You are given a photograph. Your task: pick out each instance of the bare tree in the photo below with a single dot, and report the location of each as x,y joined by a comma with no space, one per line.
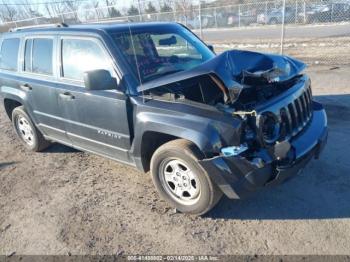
111,9
55,8
96,6
8,13
185,7
28,10
73,6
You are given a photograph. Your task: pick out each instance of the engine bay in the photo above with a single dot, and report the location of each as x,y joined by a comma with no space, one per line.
208,90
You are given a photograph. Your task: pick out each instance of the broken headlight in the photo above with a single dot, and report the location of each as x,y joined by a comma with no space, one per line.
269,127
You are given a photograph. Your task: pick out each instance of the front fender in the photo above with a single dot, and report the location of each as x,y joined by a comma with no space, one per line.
209,130
204,136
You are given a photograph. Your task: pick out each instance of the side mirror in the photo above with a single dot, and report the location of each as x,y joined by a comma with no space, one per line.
99,79
211,47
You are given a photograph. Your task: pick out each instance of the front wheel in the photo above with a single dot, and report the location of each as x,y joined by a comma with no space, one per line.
180,180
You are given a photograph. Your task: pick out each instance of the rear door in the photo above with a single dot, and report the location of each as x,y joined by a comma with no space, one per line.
39,80
27,70
95,121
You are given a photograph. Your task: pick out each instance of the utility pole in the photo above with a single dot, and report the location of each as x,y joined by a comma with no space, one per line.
139,5
200,20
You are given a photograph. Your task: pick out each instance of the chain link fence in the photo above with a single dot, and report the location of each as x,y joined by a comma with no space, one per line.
317,32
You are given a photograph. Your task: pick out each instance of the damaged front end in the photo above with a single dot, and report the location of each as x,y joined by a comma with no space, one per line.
282,133
283,128
240,174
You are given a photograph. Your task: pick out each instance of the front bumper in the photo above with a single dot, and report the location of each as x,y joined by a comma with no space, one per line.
237,177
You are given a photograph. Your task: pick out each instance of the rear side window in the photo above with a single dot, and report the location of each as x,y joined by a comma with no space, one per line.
38,56
81,55
9,54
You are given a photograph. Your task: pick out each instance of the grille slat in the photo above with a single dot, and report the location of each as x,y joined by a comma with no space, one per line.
294,116
307,101
304,108
287,122
298,113
309,95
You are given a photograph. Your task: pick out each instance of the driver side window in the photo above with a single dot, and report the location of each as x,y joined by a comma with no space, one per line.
81,55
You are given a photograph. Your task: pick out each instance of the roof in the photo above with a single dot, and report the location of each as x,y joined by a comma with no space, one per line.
93,27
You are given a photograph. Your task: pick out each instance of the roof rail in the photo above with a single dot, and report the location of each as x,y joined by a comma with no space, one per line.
110,21
37,26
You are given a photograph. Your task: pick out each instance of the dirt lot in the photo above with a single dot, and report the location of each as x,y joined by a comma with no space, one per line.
65,201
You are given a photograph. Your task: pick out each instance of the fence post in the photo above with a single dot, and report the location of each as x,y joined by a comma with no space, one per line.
174,11
139,7
296,11
200,20
304,12
216,19
283,26
239,15
332,13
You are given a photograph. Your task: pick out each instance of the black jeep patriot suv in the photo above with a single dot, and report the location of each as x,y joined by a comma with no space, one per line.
154,96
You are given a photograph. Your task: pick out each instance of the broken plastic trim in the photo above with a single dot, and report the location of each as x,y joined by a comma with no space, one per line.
234,150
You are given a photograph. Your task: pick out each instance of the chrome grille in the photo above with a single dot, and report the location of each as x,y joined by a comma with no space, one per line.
297,114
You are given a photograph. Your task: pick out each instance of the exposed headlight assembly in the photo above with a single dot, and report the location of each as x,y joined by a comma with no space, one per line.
269,127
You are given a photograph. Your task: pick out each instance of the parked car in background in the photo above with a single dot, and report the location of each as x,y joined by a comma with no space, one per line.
195,23
242,19
323,13
275,16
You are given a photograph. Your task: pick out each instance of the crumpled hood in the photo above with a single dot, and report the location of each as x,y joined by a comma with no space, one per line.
237,69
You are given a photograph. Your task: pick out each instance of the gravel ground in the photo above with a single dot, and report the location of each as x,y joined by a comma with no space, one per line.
63,201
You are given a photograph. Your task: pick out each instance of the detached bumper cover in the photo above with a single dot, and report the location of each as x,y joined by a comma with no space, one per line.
237,177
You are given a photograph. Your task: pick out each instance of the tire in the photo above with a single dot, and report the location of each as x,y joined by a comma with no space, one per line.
30,136
198,193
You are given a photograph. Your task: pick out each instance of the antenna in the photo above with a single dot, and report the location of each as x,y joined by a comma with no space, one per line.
137,63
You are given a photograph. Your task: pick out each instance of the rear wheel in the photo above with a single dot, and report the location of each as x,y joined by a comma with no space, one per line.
27,132
180,180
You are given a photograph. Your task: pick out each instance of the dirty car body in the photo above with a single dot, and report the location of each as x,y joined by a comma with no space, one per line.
250,115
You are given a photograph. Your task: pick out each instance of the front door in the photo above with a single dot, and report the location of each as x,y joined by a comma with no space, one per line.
95,121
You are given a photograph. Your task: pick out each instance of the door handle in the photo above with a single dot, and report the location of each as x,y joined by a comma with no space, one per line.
66,95
26,87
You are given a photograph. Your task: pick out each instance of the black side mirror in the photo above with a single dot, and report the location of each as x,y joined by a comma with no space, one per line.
99,79
211,47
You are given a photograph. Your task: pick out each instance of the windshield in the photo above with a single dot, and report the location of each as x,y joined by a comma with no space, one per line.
154,53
